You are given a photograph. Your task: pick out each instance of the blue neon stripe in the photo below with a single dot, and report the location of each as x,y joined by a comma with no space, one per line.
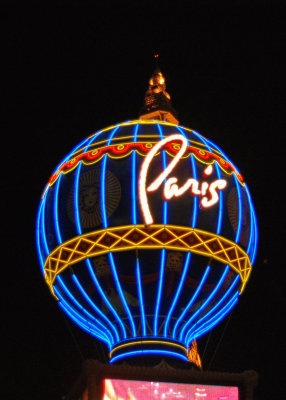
122,297
88,263
162,265
195,295
254,229
220,312
178,292
134,221
238,232
102,190
133,189
110,256
251,222
83,326
73,299
56,211
140,295
105,299
195,203
210,297
76,186
220,301
219,222
91,303
76,205
188,258
133,179
38,234
102,183
220,204
199,136
199,333
153,352
223,154
163,252
84,322
239,222
79,319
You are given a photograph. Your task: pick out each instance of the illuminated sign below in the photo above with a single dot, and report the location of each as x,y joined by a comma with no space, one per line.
141,390
171,188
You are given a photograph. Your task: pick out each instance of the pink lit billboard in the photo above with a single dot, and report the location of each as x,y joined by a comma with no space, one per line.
117,389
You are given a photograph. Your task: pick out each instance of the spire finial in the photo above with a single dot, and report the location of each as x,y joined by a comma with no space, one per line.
157,100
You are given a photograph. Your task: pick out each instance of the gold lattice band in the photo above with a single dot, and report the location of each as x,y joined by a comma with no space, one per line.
131,237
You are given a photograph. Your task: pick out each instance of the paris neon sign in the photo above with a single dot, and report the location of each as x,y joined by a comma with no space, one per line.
208,192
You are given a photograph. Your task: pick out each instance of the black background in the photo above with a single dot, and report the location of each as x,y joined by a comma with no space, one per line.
73,70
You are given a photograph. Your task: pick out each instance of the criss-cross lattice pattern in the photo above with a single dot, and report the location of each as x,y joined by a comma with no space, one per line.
130,237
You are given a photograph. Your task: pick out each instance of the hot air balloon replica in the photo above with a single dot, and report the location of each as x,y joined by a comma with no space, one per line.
146,233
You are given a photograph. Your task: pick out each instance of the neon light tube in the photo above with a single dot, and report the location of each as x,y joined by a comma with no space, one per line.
210,297
140,296
56,215
91,303
195,295
78,319
83,326
163,252
199,333
110,256
73,299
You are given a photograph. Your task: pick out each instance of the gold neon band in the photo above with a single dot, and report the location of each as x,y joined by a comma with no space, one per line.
131,237
138,342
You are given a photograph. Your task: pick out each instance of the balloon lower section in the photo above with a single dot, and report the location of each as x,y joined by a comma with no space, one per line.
150,346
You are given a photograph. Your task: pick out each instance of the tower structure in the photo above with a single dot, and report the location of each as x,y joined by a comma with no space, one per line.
157,102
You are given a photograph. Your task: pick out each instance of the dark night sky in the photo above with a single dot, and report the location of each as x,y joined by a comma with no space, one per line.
74,70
